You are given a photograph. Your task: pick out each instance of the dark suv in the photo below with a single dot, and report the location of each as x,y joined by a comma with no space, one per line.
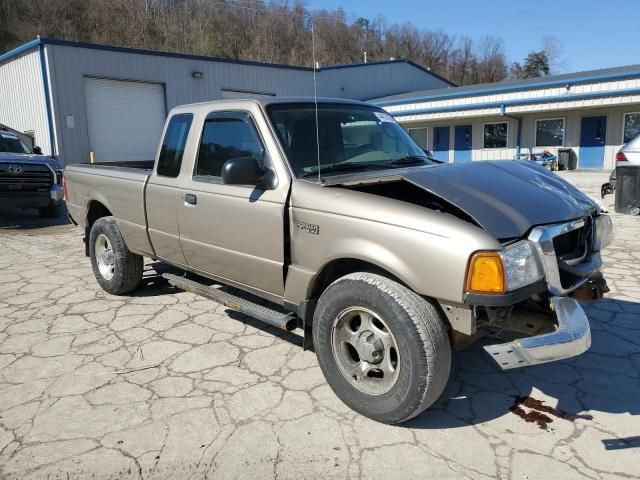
27,178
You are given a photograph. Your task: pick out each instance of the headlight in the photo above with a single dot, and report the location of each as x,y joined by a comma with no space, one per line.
498,272
521,265
604,232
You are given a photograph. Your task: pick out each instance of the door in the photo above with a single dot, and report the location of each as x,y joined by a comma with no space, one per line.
232,232
593,132
441,143
462,144
161,194
124,119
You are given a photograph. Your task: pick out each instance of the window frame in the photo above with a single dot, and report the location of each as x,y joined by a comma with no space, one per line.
535,132
229,113
624,121
186,142
484,147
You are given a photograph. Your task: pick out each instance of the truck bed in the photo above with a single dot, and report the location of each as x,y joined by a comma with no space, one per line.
116,187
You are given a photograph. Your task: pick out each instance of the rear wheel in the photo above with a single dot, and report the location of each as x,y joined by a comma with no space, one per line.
117,270
383,349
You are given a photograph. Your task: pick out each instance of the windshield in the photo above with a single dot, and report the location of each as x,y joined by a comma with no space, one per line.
352,137
12,144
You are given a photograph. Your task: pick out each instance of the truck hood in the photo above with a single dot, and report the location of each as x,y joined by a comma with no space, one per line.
506,198
6,157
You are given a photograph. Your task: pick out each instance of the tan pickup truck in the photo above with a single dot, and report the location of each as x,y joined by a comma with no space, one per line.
331,219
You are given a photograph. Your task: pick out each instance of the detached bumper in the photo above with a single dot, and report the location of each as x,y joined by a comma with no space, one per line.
572,338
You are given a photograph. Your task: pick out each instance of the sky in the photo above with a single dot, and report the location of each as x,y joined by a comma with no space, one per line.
594,33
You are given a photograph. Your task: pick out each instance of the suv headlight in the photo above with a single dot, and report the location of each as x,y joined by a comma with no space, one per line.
516,266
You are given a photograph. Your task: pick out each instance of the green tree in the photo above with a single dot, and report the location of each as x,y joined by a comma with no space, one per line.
535,65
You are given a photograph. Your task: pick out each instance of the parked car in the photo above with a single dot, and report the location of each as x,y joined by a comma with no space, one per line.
629,154
385,259
27,178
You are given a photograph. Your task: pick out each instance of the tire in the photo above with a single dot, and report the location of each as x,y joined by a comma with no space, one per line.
422,359
120,271
52,211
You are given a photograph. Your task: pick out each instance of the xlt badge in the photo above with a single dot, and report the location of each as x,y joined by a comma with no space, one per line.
309,228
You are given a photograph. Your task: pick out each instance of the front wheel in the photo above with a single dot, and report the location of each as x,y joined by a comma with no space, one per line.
117,270
383,349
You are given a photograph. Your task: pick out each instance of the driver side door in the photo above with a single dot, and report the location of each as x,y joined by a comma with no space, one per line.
232,232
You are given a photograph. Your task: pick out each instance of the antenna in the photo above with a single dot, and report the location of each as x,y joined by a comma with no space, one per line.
315,95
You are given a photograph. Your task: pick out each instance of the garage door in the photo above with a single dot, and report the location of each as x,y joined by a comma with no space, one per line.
124,119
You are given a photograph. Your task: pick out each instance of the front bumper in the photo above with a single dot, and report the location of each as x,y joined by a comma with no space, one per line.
572,338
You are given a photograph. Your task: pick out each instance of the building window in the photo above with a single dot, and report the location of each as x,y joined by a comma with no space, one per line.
550,132
495,135
420,136
631,126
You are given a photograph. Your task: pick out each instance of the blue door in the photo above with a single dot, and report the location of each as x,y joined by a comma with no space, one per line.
441,143
592,136
462,144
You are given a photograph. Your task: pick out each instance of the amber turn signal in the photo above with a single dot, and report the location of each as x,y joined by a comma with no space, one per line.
486,273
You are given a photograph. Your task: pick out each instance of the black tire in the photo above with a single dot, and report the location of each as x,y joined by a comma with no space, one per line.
52,211
127,266
420,334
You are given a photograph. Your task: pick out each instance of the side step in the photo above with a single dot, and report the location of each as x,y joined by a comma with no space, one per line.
285,321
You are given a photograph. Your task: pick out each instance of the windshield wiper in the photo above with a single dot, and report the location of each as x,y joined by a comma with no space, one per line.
339,167
410,160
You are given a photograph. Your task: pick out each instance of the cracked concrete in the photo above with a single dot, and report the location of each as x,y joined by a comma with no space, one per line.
162,384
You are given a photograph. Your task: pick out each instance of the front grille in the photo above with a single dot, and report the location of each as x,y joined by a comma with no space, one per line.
573,245
567,253
25,180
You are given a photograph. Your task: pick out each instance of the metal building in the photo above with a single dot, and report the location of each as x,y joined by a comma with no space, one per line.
591,113
77,98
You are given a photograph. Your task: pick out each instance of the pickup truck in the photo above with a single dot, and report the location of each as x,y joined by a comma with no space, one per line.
27,178
328,217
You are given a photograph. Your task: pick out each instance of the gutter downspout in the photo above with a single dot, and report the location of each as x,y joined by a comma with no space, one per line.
47,95
519,134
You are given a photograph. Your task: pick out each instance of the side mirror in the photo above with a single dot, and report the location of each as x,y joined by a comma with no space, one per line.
242,171
37,150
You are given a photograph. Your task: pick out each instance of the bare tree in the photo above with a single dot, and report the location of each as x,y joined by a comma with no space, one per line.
254,30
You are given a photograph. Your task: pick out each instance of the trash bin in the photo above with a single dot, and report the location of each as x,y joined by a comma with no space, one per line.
564,158
628,189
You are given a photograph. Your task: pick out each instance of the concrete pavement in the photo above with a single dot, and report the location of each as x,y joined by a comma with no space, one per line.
163,384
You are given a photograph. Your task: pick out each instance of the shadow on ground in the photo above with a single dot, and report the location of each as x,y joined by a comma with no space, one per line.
604,379
28,219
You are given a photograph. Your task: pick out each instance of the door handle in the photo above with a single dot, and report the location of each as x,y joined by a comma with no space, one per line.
190,198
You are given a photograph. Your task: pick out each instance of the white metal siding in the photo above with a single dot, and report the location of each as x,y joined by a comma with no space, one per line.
22,100
124,119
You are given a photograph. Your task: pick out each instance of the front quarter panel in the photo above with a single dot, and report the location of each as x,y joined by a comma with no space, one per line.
426,249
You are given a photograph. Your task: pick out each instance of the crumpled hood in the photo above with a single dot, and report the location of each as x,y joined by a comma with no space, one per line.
507,197
6,157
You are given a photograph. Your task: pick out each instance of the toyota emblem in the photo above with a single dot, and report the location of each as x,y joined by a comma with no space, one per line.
15,169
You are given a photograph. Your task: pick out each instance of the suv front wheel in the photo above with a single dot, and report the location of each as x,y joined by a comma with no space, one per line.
383,349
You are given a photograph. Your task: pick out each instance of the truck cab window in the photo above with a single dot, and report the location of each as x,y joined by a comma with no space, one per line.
173,145
226,136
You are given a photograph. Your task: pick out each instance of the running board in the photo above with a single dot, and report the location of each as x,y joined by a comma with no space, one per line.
285,321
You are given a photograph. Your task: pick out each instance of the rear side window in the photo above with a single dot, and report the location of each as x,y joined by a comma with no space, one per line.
173,145
225,136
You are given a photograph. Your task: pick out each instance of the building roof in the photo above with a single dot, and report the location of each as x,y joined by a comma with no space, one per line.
566,79
52,41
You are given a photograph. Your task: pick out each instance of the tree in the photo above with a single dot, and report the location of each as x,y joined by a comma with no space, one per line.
535,65
256,30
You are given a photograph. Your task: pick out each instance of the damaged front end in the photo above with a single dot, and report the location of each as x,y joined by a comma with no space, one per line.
550,314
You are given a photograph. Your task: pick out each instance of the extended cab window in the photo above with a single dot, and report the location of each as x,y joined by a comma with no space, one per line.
225,136
173,145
